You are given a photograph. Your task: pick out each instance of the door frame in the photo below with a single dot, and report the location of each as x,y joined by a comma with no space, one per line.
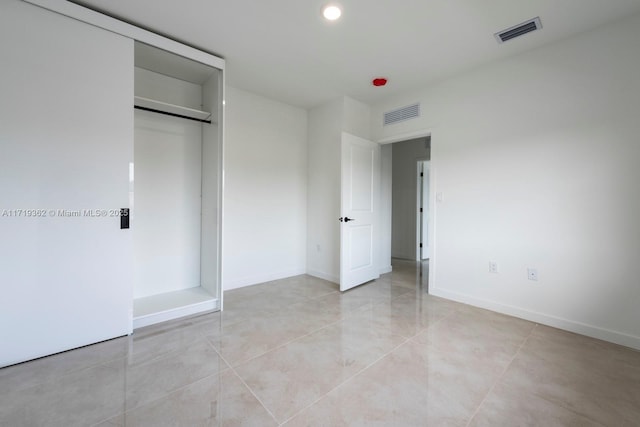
420,204
433,215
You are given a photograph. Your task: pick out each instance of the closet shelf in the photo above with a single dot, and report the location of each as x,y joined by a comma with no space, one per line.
171,109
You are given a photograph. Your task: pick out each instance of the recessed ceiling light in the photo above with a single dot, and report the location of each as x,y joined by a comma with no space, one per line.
331,12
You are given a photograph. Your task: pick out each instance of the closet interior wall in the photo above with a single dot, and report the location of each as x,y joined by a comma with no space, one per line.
175,199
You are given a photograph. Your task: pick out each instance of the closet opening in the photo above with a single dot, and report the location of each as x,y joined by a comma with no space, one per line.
175,186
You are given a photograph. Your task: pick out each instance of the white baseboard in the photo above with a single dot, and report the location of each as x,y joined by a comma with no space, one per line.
409,257
241,282
542,318
175,313
325,276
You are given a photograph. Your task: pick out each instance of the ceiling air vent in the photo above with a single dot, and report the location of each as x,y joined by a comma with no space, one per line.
402,114
519,30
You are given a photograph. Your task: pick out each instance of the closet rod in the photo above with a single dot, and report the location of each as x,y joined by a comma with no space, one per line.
153,110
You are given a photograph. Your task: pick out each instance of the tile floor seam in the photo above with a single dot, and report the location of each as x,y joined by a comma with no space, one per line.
172,391
502,374
56,378
345,381
243,362
160,398
107,419
213,347
559,402
160,356
272,313
198,336
431,326
249,388
562,405
322,296
104,421
72,371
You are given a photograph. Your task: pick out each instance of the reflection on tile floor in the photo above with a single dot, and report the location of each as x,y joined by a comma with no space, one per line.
297,352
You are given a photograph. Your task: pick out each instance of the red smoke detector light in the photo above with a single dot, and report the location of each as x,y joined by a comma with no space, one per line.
379,81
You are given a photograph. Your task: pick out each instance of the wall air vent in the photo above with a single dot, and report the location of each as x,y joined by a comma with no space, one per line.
519,30
402,114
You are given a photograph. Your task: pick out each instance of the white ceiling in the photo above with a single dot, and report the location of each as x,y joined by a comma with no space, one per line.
284,50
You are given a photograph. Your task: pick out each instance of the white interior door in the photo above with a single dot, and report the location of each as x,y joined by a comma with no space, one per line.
360,211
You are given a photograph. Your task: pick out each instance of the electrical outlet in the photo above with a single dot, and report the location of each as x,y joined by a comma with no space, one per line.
493,267
532,274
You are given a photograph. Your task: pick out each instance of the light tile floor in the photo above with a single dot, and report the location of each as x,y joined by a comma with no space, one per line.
297,352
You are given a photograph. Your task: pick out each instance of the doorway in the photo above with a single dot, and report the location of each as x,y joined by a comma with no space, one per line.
409,196
404,193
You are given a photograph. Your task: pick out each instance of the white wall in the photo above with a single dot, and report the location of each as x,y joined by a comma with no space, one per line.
167,207
386,178
536,159
323,228
265,204
356,118
168,173
404,230
326,124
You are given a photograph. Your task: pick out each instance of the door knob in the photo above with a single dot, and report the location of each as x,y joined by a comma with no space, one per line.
347,219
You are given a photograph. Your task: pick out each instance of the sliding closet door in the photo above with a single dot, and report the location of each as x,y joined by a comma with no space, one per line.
66,139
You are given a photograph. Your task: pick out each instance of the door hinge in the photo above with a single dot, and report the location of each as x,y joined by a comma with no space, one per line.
421,245
420,210
421,173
